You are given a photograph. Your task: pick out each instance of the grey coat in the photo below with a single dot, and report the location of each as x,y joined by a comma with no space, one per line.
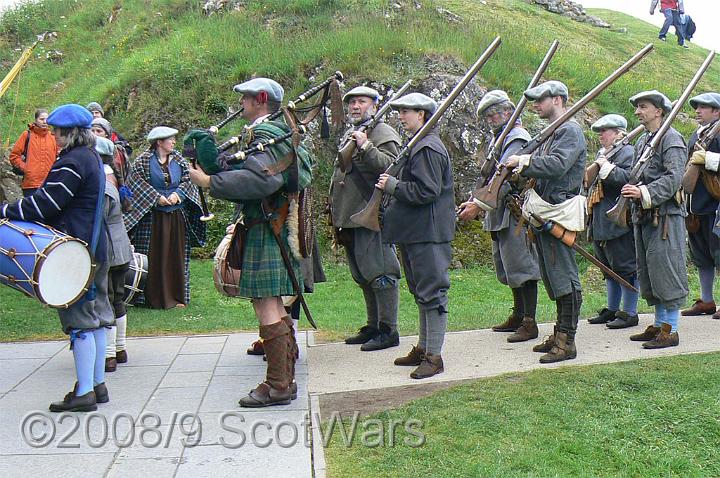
663,174
558,166
499,219
350,191
119,251
422,202
601,227
661,260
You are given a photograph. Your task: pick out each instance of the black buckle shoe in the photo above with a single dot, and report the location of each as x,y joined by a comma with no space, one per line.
73,403
364,334
623,320
604,316
385,339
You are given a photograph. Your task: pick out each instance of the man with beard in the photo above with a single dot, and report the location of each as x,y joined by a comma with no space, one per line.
373,265
515,257
557,167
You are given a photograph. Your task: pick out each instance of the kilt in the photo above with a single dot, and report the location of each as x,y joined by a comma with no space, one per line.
264,273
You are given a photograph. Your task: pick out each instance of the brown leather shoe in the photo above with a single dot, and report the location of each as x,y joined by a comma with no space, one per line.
716,315
665,338
564,349
650,333
547,345
700,308
256,348
511,324
264,396
121,356
413,358
527,331
431,365
110,364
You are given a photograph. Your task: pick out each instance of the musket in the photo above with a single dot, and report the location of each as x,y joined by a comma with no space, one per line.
493,156
215,128
568,238
337,76
618,214
692,172
488,195
369,216
345,153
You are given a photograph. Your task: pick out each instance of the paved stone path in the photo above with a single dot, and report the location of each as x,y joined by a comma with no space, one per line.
201,376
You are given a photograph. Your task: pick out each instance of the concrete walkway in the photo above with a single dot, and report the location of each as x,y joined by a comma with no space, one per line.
172,384
473,354
201,377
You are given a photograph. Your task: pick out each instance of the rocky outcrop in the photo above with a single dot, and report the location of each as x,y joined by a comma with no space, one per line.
9,182
571,10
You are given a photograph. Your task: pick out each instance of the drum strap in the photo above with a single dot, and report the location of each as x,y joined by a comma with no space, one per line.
97,222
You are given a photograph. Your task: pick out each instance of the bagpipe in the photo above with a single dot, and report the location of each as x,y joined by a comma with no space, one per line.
200,145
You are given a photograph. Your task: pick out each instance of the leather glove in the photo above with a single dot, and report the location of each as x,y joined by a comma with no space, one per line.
698,157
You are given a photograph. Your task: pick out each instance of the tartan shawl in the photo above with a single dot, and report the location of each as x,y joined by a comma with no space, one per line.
145,197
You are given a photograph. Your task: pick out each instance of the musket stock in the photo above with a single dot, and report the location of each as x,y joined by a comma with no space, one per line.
369,217
346,153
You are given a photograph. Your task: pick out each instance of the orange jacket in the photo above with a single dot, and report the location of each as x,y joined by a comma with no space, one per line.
41,154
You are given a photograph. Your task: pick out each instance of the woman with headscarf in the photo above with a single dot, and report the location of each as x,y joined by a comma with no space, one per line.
165,219
69,200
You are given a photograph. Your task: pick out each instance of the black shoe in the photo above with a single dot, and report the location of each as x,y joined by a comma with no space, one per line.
604,316
364,334
385,339
101,393
662,38
623,320
73,403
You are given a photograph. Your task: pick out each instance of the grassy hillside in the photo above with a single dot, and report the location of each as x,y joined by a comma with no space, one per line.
164,61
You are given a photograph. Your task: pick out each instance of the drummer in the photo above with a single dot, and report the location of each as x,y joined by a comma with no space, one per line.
68,201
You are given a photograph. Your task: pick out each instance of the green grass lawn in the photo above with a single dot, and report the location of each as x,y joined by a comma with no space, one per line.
646,418
477,301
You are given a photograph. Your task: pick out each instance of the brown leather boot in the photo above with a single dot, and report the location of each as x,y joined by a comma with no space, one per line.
666,338
121,356
431,365
650,333
547,345
256,348
511,324
564,349
110,364
413,358
276,388
700,308
294,353
528,330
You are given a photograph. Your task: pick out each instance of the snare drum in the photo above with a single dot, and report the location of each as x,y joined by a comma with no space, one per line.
44,263
135,277
227,279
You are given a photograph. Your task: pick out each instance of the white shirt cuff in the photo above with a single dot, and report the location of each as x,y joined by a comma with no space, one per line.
712,161
645,198
605,170
524,162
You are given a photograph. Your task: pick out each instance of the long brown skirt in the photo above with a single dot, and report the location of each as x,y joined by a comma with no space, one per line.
165,287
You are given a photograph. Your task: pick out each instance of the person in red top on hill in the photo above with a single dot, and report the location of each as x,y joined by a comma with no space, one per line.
33,156
672,9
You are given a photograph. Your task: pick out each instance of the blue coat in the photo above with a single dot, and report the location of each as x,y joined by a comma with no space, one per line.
68,199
